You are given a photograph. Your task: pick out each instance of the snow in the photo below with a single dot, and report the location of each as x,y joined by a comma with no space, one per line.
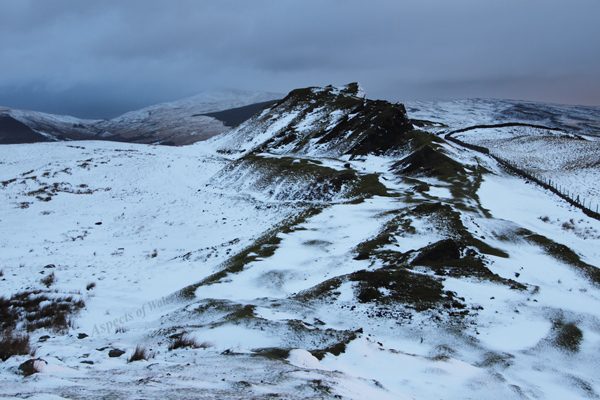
573,165
303,359
170,218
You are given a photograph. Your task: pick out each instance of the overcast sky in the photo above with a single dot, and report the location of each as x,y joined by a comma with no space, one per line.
98,59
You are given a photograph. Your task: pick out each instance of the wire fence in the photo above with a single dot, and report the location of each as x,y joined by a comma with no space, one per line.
572,198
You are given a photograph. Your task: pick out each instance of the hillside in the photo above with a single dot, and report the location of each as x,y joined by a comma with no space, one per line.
325,248
460,114
180,122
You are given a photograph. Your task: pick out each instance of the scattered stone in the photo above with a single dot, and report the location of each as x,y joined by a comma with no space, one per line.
87,362
43,338
115,353
32,366
82,336
50,266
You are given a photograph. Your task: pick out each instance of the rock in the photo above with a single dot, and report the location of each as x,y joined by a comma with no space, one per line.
50,266
32,366
115,353
82,336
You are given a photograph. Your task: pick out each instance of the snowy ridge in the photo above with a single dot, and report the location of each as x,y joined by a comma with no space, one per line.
319,122
259,269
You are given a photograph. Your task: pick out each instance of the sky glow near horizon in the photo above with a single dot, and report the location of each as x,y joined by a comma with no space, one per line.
101,59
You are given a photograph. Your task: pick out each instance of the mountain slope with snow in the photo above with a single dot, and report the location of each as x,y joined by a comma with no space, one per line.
266,263
178,122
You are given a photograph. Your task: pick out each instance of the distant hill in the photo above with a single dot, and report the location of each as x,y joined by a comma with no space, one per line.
180,122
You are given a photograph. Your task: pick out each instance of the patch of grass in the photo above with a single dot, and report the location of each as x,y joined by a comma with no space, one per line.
388,286
322,291
33,310
336,348
140,354
315,182
320,387
368,186
385,286
48,280
569,225
452,258
448,221
316,243
185,340
386,236
456,256
12,344
245,312
568,336
493,358
8,182
90,286
430,162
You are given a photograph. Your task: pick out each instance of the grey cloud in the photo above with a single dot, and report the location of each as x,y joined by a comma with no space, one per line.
398,50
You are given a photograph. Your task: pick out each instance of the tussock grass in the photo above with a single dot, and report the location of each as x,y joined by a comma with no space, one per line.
12,344
185,340
568,337
33,310
140,353
48,280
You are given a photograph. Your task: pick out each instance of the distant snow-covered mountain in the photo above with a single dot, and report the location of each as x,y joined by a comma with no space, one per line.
177,123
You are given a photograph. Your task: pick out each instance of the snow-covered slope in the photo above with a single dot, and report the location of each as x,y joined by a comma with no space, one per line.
570,161
182,121
179,122
248,269
458,114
